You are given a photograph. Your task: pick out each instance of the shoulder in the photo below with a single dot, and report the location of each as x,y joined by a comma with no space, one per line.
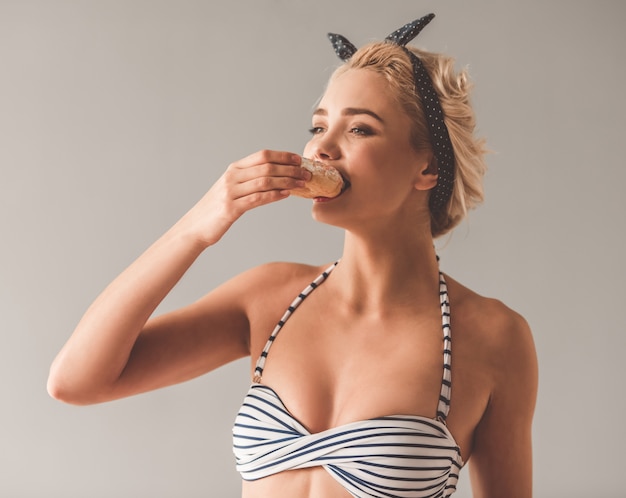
495,333
274,284
280,273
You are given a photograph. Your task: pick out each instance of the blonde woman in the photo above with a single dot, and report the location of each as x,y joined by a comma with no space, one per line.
375,375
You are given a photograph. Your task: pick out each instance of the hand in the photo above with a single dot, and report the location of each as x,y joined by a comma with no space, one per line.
261,178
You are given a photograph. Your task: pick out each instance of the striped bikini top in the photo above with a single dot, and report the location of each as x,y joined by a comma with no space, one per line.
389,456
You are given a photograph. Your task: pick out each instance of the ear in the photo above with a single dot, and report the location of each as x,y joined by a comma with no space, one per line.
427,172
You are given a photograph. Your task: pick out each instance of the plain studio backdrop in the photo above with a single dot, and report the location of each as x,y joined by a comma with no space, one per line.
116,116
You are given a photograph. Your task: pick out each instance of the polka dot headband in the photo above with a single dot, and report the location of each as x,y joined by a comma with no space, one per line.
439,136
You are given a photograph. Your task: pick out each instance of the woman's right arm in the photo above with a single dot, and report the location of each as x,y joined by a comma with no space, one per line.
116,351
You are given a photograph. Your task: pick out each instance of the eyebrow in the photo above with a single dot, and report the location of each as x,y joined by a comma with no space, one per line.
350,111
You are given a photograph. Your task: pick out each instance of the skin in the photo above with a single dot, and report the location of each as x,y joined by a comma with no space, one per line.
381,325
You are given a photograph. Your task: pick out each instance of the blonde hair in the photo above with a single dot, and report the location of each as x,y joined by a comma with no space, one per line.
453,90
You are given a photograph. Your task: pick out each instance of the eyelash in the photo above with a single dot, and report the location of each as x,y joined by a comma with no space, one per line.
361,130
355,130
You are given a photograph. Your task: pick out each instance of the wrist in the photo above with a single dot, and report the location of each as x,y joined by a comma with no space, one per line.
191,233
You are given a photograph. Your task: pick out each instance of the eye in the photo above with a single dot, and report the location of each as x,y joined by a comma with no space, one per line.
316,130
361,130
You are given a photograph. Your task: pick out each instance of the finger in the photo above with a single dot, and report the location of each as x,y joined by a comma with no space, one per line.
257,199
270,170
269,156
262,178
266,184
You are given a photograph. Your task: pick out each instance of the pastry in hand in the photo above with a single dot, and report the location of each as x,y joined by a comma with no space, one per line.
325,181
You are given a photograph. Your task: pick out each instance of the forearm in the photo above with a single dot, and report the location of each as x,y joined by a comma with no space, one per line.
89,366
98,350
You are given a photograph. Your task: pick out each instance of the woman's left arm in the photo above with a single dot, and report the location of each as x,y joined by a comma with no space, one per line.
501,461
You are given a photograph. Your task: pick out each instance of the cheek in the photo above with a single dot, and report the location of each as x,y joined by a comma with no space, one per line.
390,174
308,150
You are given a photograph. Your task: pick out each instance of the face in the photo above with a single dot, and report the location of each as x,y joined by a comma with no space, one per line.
363,132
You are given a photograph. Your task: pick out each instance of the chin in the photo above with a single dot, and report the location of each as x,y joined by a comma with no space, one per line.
326,214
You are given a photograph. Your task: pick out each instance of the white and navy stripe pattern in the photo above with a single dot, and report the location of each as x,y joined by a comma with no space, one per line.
260,364
446,383
385,457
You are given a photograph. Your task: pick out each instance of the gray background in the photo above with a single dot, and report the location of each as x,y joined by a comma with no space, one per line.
116,116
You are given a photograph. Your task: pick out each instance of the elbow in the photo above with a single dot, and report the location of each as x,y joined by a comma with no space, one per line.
61,389
58,390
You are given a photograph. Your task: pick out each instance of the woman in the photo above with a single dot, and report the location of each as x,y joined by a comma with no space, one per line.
354,392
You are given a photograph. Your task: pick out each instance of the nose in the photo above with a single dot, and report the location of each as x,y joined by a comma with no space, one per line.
325,147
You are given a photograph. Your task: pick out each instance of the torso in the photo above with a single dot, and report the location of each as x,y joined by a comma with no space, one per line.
331,367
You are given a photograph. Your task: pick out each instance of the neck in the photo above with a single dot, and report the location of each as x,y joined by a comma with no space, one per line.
381,272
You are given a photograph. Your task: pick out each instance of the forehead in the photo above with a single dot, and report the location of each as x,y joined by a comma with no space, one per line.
361,88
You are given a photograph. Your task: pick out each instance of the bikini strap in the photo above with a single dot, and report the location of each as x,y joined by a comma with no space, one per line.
260,364
446,384
444,397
